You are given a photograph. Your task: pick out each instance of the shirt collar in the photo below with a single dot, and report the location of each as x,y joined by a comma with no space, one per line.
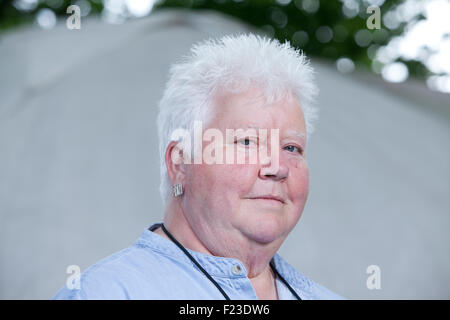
221,266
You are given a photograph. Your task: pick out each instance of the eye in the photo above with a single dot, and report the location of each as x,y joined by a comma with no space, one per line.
245,141
292,148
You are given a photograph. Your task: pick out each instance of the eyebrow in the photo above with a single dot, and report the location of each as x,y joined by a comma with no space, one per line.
290,132
297,134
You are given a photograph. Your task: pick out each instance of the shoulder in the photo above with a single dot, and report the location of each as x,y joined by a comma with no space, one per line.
305,287
109,278
319,292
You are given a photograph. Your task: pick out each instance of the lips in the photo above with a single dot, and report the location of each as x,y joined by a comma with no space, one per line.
269,197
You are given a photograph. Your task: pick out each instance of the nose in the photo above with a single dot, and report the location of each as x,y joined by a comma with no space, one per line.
274,167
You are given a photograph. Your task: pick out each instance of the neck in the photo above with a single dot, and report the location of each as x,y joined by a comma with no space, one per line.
254,256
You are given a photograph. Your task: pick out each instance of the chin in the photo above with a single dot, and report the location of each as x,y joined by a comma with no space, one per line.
265,229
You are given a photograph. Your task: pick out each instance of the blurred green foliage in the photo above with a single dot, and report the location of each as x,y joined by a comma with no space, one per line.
321,28
290,21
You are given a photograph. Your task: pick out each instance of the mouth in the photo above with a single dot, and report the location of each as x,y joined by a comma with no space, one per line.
270,198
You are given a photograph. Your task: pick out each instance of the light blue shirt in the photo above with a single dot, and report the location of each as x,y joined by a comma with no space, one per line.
153,267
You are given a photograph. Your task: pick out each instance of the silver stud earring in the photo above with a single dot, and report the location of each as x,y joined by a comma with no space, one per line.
177,190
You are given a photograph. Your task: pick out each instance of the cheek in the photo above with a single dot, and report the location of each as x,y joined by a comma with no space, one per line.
236,180
222,183
216,190
299,182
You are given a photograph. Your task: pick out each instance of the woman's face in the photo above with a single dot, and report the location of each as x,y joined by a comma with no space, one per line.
259,201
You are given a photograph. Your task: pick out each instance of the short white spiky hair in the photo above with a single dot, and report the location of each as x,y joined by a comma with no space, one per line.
233,63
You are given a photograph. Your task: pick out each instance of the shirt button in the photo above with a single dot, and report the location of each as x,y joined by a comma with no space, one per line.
236,270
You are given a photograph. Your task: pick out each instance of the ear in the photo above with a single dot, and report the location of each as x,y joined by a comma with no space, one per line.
176,168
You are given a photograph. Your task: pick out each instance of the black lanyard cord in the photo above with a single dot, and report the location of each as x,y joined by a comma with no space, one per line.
194,261
272,265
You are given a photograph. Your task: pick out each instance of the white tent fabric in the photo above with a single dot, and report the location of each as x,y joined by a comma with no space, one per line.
79,163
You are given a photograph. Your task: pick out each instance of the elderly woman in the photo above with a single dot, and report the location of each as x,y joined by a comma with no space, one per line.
233,195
